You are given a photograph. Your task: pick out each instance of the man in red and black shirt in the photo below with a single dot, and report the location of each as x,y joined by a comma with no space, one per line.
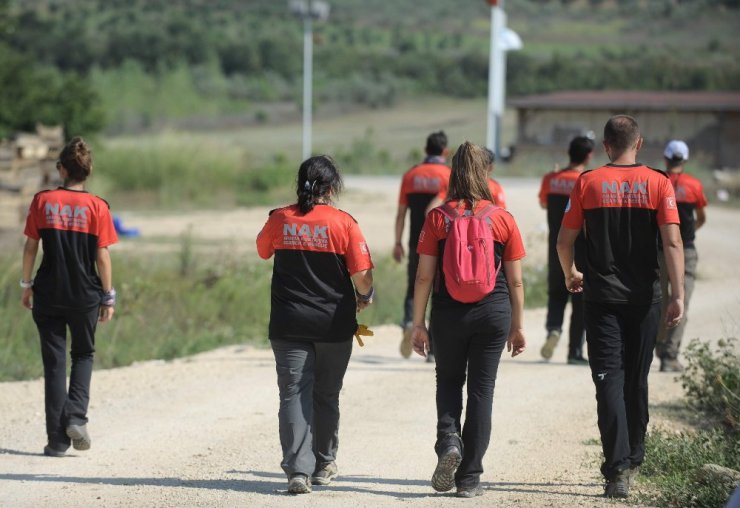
622,207
554,193
419,186
691,203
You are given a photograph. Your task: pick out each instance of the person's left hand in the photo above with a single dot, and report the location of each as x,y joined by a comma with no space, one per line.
27,298
106,313
574,282
516,343
420,340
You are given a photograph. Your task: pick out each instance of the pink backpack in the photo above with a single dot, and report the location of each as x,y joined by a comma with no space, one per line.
469,262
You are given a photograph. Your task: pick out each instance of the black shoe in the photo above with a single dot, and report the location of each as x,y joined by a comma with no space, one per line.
443,478
670,365
469,491
577,360
55,449
79,436
619,486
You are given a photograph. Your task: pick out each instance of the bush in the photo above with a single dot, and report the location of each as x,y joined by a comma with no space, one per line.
712,381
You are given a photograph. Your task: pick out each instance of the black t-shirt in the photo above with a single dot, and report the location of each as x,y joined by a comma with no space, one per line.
72,226
313,298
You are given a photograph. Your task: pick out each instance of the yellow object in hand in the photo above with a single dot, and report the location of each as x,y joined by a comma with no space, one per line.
363,330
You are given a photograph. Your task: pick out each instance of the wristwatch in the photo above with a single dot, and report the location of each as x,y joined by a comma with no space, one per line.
26,284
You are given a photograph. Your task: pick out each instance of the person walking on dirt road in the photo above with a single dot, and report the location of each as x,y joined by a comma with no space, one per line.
554,194
469,338
72,289
322,276
419,186
623,206
691,203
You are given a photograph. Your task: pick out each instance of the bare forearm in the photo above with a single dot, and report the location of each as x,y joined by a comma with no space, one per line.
513,271
105,269
675,266
422,289
363,281
30,249
565,255
400,222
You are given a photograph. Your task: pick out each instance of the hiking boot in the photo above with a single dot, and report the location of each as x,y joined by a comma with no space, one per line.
577,360
632,474
406,346
553,336
619,486
325,474
299,484
443,478
79,436
670,365
55,449
469,491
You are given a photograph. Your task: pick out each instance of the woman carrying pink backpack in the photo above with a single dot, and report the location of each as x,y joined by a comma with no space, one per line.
470,261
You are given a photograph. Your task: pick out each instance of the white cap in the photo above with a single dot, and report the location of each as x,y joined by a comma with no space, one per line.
676,149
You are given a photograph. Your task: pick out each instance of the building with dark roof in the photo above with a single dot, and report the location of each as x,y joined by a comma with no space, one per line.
709,122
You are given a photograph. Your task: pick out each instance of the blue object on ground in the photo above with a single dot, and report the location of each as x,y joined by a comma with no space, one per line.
124,231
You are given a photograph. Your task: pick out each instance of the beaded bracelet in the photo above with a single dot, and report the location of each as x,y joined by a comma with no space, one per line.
109,298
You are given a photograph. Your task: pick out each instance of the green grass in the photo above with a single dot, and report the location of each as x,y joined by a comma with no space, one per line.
673,459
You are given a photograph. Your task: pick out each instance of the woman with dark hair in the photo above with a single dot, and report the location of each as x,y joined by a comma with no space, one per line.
469,336
322,276
72,289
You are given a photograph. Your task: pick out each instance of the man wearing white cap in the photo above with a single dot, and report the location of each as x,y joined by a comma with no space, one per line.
691,203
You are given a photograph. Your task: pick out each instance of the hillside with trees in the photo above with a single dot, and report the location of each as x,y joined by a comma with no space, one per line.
128,65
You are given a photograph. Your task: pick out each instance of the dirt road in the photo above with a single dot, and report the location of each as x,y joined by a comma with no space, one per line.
202,431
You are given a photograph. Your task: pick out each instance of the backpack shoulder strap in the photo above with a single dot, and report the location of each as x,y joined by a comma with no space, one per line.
486,211
449,212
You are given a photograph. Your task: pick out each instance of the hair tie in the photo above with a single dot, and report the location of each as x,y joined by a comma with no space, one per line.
307,186
312,186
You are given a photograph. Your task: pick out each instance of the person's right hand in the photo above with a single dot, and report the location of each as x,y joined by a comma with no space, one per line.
106,313
674,313
574,282
398,252
27,298
420,340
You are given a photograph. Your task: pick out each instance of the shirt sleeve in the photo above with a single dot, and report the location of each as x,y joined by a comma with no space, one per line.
358,253
265,247
543,191
701,198
573,216
667,209
431,233
403,198
32,229
514,246
106,230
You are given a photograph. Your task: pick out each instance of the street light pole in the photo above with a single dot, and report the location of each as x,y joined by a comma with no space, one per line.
307,82
308,10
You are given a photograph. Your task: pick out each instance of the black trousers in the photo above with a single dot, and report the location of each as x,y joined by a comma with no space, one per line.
621,339
66,407
471,339
557,299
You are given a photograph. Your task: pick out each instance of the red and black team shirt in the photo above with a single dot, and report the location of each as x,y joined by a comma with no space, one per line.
419,186
313,298
622,208
72,226
497,192
508,246
689,197
554,195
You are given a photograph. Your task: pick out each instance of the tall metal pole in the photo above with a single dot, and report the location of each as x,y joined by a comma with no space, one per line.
307,81
496,79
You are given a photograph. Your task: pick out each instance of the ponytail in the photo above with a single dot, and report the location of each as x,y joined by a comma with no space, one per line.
318,179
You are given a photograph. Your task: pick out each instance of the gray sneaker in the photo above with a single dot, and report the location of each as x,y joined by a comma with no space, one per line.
619,486
632,473
55,450
299,484
469,491
670,365
79,436
553,337
443,478
325,474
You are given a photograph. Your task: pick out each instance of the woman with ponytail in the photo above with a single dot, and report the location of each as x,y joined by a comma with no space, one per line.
470,335
322,276
72,289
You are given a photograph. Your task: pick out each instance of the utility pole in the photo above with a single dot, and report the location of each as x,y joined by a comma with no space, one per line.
502,40
308,10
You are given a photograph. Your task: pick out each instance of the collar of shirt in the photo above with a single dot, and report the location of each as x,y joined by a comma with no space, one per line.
435,159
